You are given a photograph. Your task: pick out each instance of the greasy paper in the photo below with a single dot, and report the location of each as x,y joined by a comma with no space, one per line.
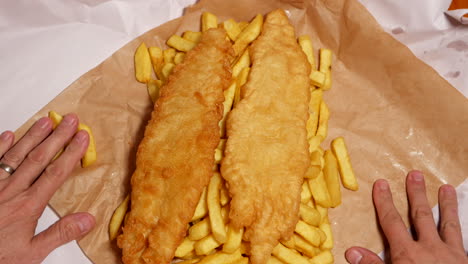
395,112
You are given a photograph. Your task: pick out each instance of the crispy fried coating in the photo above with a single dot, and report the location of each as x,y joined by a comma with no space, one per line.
175,159
267,154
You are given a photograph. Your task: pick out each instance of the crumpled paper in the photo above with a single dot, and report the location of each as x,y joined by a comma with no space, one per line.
460,15
384,101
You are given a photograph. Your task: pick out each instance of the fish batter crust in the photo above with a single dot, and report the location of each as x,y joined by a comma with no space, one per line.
175,159
266,154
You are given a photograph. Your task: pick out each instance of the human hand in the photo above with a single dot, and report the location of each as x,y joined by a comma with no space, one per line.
25,193
432,246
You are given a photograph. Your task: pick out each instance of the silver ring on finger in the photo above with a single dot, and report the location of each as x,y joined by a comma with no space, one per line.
10,170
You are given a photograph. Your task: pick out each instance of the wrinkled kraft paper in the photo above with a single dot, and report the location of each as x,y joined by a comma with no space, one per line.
395,112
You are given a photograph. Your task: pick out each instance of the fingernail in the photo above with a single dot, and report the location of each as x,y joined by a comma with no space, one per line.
354,257
448,190
69,120
5,136
383,185
417,176
85,223
43,122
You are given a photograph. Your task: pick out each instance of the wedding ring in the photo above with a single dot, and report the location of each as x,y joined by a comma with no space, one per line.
7,168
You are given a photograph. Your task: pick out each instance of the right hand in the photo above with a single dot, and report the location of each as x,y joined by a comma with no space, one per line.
444,246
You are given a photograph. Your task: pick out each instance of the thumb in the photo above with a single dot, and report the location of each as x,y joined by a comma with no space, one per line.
69,228
359,255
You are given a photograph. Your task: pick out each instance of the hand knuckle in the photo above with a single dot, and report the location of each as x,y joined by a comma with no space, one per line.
68,231
54,172
390,217
421,213
450,225
36,156
12,158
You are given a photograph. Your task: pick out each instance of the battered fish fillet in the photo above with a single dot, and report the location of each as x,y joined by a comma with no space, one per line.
176,156
267,154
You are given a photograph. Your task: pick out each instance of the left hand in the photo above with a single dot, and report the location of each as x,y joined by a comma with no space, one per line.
35,177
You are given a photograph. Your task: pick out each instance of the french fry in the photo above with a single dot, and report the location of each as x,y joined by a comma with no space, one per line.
241,63
319,190
314,143
332,178
229,94
214,209
117,218
192,36
324,116
205,245
202,208
318,78
328,243
308,232
185,248
289,256
232,29
314,110
316,164
189,261
90,155
309,215
306,195
157,60
142,64
208,20
168,55
325,257
56,118
180,44
274,260
249,34
167,70
240,81
323,236
218,155
289,243
307,48
179,58
200,230
243,25
241,261
325,67
224,195
221,257
323,213
153,87
305,247
348,179
234,239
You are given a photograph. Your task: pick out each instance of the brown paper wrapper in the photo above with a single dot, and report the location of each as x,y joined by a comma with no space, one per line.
395,112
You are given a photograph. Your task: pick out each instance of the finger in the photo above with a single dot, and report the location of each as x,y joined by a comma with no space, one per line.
38,159
359,255
6,141
70,227
450,230
36,134
389,218
58,171
421,213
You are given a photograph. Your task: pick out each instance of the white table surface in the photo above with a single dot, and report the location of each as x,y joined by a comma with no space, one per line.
46,45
